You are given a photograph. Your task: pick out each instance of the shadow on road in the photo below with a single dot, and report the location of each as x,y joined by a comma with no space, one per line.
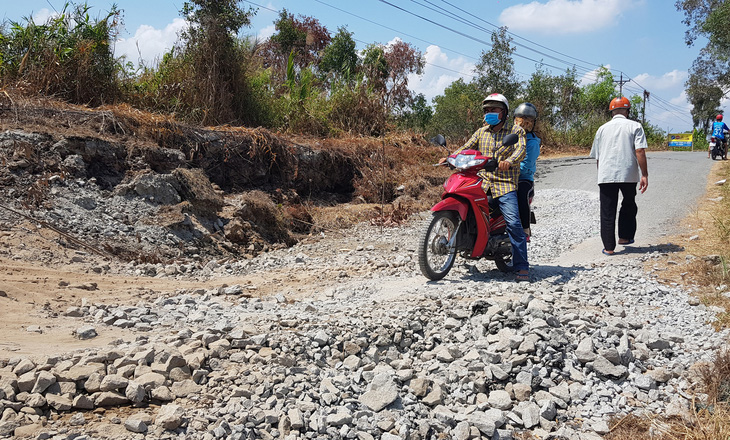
664,248
538,272
554,274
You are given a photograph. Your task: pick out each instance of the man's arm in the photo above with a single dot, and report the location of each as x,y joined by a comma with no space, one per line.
641,158
519,152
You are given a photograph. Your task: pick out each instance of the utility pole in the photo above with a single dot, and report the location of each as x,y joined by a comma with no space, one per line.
643,109
621,83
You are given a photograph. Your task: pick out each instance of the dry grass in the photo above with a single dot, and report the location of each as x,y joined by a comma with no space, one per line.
704,265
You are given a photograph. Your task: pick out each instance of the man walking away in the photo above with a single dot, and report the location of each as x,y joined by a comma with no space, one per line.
620,152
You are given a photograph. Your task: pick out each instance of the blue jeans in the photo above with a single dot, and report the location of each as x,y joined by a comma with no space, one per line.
511,212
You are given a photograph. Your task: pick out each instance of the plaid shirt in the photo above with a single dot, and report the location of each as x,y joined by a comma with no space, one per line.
488,143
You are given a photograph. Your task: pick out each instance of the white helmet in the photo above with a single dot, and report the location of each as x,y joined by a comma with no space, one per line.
496,97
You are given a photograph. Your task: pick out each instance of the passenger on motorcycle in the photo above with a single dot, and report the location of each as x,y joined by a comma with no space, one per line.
526,116
718,132
503,181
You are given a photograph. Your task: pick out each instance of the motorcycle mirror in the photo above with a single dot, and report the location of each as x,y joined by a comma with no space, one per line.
439,140
510,139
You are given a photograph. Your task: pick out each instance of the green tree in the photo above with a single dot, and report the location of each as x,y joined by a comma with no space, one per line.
636,112
340,57
457,113
216,87
598,95
711,70
570,96
707,18
304,37
540,90
418,114
386,70
704,95
375,67
495,71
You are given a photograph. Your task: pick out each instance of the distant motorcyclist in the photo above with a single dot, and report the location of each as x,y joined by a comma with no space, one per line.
503,181
718,132
526,117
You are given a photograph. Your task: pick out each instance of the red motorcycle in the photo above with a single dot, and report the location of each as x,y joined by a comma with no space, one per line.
466,220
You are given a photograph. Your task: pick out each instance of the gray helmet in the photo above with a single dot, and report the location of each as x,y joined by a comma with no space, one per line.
526,110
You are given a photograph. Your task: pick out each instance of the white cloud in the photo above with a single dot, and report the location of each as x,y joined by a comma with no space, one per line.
439,72
591,77
564,16
681,100
149,44
266,32
670,80
42,16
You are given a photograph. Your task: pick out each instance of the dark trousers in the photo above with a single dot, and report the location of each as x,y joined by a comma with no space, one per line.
524,192
626,215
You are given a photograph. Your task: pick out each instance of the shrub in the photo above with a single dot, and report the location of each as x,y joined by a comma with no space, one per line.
357,110
69,56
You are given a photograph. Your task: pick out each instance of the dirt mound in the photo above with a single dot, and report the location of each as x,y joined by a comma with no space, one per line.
145,188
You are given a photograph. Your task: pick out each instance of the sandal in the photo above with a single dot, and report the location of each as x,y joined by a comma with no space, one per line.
626,243
605,252
522,275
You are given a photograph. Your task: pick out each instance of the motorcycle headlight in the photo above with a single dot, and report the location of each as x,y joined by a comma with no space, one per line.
464,161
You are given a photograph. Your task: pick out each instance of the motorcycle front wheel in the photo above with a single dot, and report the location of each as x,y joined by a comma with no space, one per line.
435,253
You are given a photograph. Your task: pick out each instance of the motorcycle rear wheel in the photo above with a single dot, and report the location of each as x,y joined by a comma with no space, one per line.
435,256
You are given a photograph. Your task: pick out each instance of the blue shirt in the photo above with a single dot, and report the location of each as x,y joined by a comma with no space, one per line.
718,129
529,163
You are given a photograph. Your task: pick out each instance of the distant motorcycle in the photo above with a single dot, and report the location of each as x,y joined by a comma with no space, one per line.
718,148
466,220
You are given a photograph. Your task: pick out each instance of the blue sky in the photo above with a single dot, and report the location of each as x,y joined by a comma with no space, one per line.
643,39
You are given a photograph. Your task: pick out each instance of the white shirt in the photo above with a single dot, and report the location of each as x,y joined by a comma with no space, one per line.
614,147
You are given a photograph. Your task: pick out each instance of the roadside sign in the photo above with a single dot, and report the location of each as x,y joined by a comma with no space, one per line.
680,140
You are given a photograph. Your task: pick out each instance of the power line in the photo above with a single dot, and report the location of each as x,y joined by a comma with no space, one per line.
522,38
481,28
478,40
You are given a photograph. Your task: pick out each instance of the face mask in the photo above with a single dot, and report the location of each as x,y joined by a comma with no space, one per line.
492,118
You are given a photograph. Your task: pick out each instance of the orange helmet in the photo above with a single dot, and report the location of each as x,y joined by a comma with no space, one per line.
622,102
719,117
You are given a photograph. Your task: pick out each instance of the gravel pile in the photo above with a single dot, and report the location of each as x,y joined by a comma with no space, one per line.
354,343
379,353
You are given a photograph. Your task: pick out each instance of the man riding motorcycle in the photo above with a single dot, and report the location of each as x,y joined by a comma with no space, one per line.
718,132
503,181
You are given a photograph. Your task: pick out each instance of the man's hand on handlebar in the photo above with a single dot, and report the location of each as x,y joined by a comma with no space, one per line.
443,160
504,165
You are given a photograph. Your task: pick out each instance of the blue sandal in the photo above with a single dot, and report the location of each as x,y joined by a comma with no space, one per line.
627,243
605,252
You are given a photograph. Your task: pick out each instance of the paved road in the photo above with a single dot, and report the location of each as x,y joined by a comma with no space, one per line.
677,180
